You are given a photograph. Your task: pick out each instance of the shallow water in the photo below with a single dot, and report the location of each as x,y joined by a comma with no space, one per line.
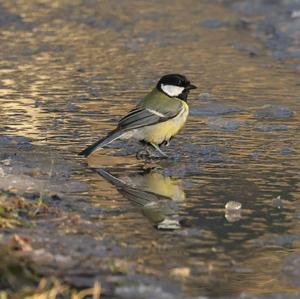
68,71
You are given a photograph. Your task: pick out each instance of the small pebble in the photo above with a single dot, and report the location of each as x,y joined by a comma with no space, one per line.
277,202
233,205
295,14
55,197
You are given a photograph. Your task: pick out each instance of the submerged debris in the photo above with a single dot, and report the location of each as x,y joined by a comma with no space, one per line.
221,124
215,109
204,96
274,112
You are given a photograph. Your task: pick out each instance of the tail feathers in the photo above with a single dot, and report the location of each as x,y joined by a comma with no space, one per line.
115,181
137,196
101,143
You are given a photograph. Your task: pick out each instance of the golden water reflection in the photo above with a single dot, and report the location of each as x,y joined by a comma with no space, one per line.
70,70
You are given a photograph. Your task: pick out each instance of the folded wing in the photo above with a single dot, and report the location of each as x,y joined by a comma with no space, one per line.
141,117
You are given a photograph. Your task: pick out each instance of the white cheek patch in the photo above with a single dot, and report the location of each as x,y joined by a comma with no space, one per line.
172,90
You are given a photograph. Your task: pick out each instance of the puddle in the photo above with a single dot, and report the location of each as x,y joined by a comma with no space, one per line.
69,71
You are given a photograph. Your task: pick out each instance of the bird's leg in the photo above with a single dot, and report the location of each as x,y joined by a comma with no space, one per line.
164,155
146,153
167,142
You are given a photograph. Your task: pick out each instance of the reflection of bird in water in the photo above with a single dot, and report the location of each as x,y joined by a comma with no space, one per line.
157,195
159,184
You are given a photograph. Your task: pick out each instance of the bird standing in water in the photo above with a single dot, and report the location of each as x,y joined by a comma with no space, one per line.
156,118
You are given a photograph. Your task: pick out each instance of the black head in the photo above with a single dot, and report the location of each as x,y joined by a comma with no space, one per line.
175,85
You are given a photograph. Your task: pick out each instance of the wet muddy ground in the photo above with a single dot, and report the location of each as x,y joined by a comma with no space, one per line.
148,228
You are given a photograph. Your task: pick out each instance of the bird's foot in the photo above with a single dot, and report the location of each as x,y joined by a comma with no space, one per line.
162,155
146,154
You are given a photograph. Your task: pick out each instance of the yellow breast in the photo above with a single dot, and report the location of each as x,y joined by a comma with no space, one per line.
164,131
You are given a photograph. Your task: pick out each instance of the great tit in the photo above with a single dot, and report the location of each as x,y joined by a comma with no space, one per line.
157,117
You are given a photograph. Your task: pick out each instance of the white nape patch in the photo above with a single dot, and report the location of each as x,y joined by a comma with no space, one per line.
156,112
172,90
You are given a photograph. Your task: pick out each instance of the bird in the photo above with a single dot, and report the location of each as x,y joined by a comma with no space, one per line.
158,117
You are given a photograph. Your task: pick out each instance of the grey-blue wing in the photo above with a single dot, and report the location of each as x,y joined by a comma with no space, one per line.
141,117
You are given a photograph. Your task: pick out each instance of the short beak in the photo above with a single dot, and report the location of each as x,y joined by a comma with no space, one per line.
191,86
